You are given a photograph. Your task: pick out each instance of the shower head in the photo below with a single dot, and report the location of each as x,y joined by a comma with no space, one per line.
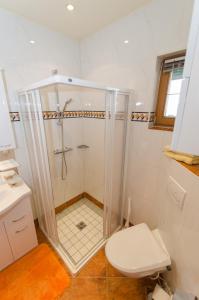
66,103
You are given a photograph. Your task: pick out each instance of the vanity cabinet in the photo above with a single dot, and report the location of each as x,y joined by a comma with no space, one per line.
17,232
6,256
6,132
185,136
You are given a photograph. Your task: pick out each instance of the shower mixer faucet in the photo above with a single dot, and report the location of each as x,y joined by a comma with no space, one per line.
63,150
59,151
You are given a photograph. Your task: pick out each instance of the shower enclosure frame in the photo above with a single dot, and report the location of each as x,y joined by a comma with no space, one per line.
42,168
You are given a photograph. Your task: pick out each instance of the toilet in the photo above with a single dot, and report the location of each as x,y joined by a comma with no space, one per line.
137,251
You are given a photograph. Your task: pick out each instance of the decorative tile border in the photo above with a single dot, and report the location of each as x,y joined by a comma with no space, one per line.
152,117
73,114
94,114
14,116
49,115
142,116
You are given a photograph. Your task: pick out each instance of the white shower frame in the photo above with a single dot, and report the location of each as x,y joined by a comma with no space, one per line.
60,79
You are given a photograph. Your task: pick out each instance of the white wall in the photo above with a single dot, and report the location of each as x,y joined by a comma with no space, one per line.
156,29
26,63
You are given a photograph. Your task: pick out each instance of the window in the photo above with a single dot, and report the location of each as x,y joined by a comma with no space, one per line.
169,89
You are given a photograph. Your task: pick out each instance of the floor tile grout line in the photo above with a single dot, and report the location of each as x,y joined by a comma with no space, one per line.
71,216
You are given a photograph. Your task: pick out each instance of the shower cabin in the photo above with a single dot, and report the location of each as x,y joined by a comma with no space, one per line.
76,137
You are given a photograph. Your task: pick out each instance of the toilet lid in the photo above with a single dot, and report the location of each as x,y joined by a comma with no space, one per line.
135,249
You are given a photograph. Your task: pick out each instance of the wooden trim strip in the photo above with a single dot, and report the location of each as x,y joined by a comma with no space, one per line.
75,199
165,128
94,200
70,202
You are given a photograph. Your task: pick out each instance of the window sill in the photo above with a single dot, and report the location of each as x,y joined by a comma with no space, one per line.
192,168
160,127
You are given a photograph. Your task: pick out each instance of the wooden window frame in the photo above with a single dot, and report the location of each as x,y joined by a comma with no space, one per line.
160,119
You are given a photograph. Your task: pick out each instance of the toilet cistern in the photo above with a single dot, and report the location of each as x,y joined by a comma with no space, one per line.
137,251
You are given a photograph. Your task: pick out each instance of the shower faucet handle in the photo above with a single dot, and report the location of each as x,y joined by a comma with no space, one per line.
59,151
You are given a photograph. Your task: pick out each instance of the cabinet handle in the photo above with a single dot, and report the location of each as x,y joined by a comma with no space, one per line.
16,220
18,231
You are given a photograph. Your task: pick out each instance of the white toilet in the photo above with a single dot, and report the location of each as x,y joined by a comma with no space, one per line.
137,251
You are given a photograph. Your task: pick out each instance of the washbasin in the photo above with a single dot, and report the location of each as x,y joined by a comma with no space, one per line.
3,194
10,196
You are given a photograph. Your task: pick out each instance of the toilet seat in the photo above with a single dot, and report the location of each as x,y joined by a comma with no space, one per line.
136,250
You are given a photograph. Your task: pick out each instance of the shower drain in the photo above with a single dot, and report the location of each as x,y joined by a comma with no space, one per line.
81,225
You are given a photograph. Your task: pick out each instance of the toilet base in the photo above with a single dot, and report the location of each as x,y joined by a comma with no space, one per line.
143,274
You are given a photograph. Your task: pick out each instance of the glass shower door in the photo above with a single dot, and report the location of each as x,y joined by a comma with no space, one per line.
116,132
32,119
79,211
78,197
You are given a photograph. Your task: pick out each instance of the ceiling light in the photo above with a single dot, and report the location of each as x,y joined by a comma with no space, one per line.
138,103
32,42
70,7
126,42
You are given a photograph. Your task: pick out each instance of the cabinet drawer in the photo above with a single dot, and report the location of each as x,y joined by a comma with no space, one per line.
22,238
18,223
19,213
20,229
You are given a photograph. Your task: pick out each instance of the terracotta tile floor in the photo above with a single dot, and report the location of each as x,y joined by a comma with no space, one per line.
98,280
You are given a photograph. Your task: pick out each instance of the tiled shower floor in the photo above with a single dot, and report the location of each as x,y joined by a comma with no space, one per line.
80,228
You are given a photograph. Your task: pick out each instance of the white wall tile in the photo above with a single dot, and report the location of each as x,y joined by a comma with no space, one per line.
160,27
26,63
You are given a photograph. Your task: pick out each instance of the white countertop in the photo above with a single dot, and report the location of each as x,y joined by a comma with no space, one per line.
9,164
10,196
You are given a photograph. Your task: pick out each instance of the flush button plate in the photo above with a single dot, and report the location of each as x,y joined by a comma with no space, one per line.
176,192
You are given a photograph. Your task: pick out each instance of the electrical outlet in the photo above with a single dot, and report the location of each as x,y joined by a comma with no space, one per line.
176,192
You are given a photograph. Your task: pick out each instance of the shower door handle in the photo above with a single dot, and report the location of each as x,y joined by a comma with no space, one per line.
83,147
